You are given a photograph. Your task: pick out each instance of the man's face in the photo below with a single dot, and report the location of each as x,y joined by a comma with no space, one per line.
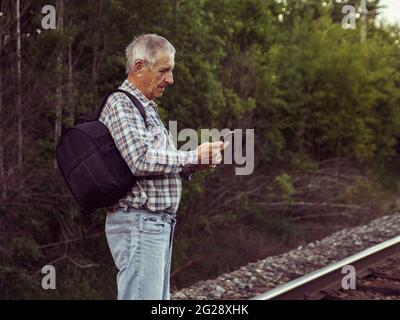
155,78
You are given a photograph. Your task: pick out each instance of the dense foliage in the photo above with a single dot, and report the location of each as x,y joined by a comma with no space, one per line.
314,93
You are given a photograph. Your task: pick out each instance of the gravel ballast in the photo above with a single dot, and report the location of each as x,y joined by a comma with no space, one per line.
263,275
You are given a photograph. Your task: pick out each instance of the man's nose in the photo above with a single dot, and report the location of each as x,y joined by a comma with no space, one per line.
169,79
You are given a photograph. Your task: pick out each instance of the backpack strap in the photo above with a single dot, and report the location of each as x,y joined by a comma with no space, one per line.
96,114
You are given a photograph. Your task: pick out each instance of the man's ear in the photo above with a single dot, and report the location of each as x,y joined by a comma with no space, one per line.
138,67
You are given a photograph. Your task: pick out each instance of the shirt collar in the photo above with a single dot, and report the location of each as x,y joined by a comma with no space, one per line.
138,94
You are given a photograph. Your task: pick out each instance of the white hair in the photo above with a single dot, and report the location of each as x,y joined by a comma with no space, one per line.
145,47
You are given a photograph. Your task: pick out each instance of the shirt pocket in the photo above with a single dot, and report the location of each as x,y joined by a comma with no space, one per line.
157,137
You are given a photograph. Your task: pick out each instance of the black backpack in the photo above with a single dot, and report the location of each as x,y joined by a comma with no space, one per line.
91,164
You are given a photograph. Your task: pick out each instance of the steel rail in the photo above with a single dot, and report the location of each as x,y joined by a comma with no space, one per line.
315,284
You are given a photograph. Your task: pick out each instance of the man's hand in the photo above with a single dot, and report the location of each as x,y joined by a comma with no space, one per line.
209,155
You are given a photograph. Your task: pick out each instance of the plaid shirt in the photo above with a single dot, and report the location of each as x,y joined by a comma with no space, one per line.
147,151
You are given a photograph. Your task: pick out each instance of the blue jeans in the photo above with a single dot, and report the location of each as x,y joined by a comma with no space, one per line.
140,242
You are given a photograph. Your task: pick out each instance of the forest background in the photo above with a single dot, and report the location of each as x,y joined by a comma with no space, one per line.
324,102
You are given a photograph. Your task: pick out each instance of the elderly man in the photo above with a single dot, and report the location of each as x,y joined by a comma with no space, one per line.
140,227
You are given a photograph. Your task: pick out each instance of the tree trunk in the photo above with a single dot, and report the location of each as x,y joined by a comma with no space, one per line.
71,94
6,22
59,97
96,47
363,29
2,176
19,93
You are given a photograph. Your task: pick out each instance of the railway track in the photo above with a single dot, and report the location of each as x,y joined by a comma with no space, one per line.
377,276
